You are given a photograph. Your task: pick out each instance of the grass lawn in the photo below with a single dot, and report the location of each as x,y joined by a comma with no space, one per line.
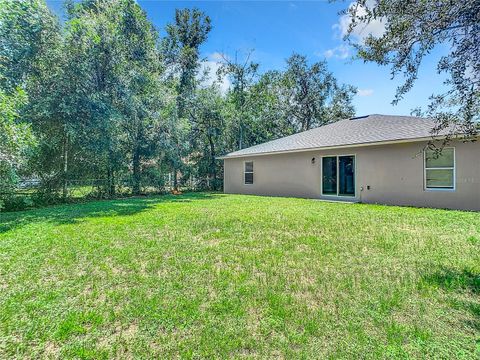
210,275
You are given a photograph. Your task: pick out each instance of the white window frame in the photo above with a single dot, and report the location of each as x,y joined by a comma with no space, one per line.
338,174
454,169
248,172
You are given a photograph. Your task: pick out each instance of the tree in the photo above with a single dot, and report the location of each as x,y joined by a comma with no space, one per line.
28,31
181,48
181,51
141,76
297,99
95,99
16,138
242,74
208,126
412,30
264,117
94,56
312,96
112,74
70,102
29,40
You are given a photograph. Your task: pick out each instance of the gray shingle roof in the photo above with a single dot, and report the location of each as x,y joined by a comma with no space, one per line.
361,130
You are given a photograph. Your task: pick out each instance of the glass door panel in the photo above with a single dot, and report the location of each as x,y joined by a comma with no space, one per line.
346,176
329,175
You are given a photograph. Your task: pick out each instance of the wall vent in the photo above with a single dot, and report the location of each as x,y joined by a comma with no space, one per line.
359,117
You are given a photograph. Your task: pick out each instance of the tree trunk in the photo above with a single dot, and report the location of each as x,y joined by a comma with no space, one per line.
240,141
213,170
161,183
111,173
110,186
65,167
136,171
175,181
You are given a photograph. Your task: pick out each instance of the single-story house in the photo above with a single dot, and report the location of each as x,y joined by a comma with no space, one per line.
370,159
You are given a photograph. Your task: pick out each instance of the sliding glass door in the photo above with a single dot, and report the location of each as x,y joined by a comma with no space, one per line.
338,175
329,171
346,176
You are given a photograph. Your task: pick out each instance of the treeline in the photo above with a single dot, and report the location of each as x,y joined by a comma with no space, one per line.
101,95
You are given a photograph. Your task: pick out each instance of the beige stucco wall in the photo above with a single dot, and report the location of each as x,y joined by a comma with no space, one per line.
394,173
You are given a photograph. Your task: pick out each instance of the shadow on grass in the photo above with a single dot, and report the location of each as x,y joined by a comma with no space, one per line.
72,213
457,281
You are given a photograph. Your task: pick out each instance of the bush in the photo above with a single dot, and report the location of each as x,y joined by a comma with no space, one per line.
44,197
152,177
16,202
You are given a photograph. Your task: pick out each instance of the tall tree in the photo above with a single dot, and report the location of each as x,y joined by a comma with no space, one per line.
242,74
95,54
28,32
182,48
312,96
268,109
208,126
16,138
412,30
29,42
99,106
181,51
69,101
141,75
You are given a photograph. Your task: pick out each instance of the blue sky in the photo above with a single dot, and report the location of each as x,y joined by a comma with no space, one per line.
276,29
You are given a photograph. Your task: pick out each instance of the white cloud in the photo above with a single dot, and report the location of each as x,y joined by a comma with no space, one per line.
339,52
359,33
376,27
328,54
216,56
365,92
208,72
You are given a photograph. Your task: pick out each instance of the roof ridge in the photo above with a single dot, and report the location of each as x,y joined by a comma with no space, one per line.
289,136
374,128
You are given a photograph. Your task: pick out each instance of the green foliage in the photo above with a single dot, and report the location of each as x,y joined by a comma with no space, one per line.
181,52
14,134
412,30
26,27
312,96
181,48
280,103
110,102
242,75
208,127
16,202
16,138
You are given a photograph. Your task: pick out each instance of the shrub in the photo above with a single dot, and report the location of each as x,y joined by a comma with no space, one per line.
16,202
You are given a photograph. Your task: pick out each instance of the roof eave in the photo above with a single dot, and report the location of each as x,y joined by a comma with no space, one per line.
387,142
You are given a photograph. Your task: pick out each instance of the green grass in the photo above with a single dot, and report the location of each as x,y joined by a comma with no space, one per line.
211,275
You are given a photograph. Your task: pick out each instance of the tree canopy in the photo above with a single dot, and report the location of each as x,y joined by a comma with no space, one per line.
102,98
412,30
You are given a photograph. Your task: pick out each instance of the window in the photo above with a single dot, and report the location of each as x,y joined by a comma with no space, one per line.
248,173
440,169
338,175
